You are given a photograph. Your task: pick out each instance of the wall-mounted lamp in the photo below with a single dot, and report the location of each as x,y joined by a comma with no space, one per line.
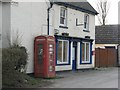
56,31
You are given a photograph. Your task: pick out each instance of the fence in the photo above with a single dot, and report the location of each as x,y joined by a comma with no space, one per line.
105,57
119,55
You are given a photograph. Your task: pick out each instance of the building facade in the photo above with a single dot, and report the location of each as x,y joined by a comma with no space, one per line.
72,24
0,24
119,12
26,20
74,51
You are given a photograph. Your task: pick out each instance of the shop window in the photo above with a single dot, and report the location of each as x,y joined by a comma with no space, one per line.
85,52
63,46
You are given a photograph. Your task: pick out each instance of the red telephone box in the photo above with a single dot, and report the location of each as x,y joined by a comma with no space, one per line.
44,56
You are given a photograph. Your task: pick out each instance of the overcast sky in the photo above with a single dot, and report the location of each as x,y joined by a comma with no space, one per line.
113,12
112,15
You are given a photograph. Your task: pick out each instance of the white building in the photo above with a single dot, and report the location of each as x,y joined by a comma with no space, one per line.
0,25
28,19
119,12
72,23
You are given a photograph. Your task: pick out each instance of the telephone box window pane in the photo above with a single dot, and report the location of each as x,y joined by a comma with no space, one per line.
60,51
87,51
40,53
83,52
65,51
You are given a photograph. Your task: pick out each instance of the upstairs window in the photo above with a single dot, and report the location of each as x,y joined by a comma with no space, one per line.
63,16
86,22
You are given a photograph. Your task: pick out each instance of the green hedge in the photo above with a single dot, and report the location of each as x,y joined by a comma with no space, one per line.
13,59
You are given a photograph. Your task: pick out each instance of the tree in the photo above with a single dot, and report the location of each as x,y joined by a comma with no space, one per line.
103,8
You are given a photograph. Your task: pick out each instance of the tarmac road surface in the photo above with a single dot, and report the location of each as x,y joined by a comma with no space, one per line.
98,78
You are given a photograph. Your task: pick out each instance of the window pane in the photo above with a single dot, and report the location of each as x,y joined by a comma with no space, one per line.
83,52
60,51
61,12
87,52
40,53
65,51
85,18
86,22
63,15
85,25
62,20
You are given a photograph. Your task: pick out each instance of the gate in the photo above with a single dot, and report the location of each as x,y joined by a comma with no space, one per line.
106,57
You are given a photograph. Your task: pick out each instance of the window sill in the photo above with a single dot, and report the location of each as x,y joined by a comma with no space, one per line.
86,30
63,27
87,62
60,64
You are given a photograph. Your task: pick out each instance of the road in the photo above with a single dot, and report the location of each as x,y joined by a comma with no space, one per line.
99,78
0,68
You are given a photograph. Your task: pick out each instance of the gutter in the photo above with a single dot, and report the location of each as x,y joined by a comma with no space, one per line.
48,17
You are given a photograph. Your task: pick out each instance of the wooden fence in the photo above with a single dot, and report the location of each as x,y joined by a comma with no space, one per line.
118,55
105,57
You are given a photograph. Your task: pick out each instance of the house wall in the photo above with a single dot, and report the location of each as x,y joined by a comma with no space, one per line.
0,24
6,24
119,12
28,20
74,31
0,45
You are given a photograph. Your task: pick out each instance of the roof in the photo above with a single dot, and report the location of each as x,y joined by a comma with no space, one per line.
107,34
81,5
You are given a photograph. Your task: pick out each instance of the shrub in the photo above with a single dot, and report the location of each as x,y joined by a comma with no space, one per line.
13,60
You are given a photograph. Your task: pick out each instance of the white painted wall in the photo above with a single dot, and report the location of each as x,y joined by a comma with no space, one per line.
6,24
0,24
75,31
0,45
119,12
29,19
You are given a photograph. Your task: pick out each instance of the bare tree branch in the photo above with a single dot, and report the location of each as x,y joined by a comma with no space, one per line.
103,9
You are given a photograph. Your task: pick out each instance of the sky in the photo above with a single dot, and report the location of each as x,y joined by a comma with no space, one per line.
112,17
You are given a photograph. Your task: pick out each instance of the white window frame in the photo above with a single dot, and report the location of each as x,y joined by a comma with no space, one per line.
65,18
85,60
86,20
62,53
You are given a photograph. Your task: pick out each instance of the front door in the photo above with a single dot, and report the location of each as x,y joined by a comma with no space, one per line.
74,56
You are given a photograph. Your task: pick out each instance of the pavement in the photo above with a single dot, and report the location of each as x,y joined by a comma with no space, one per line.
97,78
0,68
